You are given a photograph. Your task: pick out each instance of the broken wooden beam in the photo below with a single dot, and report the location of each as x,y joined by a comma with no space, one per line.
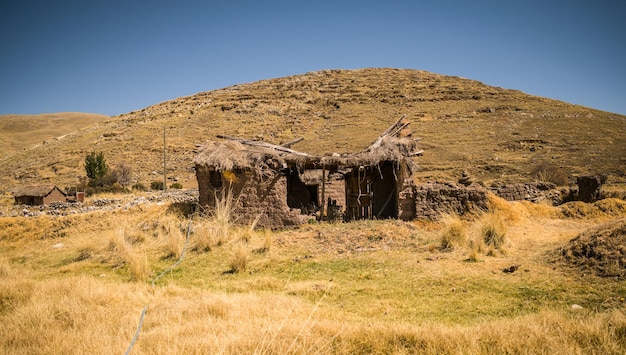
263,144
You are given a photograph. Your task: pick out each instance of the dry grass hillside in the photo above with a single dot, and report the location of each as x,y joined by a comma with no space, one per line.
24,131
495,134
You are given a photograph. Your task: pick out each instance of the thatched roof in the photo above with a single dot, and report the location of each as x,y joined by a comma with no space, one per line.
236,153
389,149
36,191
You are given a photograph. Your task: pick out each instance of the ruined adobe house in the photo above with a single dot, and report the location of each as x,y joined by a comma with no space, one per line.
280,187
39,195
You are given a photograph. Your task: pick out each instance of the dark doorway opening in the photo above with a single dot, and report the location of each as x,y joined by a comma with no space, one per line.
300,195
371,192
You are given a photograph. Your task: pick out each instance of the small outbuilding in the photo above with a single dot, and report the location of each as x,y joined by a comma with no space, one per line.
39,195
277,186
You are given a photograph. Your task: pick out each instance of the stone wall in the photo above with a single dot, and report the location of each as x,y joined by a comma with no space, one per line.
534,191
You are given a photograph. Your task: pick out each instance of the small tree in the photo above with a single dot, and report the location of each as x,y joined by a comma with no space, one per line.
96,166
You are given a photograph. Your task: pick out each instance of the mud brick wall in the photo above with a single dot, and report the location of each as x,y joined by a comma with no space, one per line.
253,197
335,189
406,201
432,199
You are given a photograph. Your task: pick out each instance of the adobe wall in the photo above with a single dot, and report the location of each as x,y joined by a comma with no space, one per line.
253,197
432,199
406,200
335,189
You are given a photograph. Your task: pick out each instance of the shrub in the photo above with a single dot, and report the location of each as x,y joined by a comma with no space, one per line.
156,185
176,185
139,187
125,255
548,172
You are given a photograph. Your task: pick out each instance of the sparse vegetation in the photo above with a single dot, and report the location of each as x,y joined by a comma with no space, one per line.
156,185
176,185
548,172
493,231
500,282
454,232
515,130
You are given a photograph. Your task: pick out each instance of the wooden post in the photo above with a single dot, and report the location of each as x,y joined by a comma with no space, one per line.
323,192
164,160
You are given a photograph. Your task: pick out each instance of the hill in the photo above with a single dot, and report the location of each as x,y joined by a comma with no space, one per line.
496,134
23,131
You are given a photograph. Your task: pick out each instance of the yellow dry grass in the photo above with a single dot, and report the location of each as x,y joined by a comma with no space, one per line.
363,287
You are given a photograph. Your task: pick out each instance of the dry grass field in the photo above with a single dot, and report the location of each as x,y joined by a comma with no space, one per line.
519,278
79,284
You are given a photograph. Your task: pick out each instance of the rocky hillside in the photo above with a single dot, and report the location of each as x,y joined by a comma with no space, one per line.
494,134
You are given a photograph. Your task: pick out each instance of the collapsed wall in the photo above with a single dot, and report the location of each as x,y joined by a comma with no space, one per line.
533,191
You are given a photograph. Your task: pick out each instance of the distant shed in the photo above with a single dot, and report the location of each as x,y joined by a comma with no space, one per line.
39,195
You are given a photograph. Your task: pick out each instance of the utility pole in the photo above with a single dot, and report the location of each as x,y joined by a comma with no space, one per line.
164,162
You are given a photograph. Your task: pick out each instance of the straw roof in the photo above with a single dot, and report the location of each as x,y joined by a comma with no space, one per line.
237,153
390,149
233,155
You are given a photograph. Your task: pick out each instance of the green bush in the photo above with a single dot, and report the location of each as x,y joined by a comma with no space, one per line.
156,185
139,187
176,185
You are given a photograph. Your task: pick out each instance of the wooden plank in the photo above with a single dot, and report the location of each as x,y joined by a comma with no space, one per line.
263,144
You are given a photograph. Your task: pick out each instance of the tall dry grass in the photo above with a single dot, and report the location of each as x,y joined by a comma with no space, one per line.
85,315
124,254
454,232
284,303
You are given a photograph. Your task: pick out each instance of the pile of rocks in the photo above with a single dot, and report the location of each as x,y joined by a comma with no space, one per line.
105,204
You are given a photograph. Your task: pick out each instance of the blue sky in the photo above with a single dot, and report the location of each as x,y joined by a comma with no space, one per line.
113,57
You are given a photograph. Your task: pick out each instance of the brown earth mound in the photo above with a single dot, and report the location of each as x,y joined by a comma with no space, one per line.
601,250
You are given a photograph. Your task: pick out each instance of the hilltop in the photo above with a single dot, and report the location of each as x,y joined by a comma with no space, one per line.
495,134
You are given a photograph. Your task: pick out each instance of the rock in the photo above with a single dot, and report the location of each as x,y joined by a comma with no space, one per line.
58,246
511,269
